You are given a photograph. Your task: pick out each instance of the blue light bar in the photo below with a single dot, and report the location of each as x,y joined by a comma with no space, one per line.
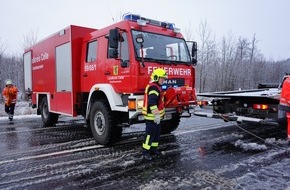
167,25
133,17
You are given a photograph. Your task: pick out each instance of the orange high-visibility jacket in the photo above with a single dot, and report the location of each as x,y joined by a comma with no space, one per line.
10,95
285,95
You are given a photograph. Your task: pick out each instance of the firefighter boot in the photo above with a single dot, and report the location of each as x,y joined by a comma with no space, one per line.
10,117
146,155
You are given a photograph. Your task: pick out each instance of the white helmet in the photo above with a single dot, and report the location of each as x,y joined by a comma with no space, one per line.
8,81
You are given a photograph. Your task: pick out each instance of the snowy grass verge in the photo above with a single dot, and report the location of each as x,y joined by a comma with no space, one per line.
21,108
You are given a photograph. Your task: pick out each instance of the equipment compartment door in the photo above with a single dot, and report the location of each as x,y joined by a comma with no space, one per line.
27,71
63,94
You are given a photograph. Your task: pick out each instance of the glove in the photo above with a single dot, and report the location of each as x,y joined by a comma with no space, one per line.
157,118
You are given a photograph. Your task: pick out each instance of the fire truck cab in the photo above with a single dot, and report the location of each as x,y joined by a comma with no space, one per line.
102,74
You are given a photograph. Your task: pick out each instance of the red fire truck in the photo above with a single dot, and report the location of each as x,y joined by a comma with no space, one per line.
101,74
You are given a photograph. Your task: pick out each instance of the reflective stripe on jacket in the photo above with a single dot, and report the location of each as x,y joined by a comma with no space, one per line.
10,95
153,99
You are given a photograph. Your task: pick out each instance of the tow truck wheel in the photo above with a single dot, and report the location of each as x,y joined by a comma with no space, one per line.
48,118
170,125
102,123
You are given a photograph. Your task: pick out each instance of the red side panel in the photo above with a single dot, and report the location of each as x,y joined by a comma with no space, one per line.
64,102
56,63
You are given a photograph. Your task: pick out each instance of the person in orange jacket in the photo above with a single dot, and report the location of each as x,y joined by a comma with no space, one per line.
284,104
10,97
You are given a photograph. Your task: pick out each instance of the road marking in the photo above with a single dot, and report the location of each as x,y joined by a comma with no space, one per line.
207,127
36,129
215,126
52,154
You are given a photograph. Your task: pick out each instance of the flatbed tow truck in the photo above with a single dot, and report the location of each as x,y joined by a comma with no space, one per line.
256,105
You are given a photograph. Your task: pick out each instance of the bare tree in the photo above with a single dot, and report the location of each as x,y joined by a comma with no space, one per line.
2,50
188,32
232,63
242,66
243,47
253,49
30,38
206,54
2,47
228,62
11,65
256,64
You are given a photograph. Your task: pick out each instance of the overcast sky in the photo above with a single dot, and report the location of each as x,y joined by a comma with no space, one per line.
268,19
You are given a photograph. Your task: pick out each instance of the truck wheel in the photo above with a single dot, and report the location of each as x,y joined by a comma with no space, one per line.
103,126
48,118
170,125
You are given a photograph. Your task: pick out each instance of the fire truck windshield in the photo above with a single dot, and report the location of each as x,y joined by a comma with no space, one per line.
161,48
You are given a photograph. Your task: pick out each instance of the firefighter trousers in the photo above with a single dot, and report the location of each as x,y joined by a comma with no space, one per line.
10,109
152,135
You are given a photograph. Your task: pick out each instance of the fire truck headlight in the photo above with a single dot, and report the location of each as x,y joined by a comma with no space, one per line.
140,104
134,105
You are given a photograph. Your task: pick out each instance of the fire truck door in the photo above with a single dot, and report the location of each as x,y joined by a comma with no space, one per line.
63,95
118,70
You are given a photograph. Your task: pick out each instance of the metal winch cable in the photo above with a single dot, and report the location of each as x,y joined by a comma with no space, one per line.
256,136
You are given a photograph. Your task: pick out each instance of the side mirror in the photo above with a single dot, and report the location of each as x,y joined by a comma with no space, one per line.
114,38
113,53
194,53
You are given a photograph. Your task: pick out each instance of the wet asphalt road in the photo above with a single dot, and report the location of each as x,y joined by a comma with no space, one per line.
194,156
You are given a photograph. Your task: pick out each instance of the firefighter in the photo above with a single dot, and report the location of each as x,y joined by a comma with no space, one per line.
10,96
285,102
153,111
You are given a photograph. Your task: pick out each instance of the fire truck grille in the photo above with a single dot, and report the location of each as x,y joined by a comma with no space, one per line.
175,82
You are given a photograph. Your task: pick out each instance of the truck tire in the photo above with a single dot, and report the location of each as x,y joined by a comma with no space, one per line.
102,123
48,118
170,125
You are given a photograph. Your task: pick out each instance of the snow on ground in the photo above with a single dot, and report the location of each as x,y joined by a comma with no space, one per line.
21,108
249,146
268,170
